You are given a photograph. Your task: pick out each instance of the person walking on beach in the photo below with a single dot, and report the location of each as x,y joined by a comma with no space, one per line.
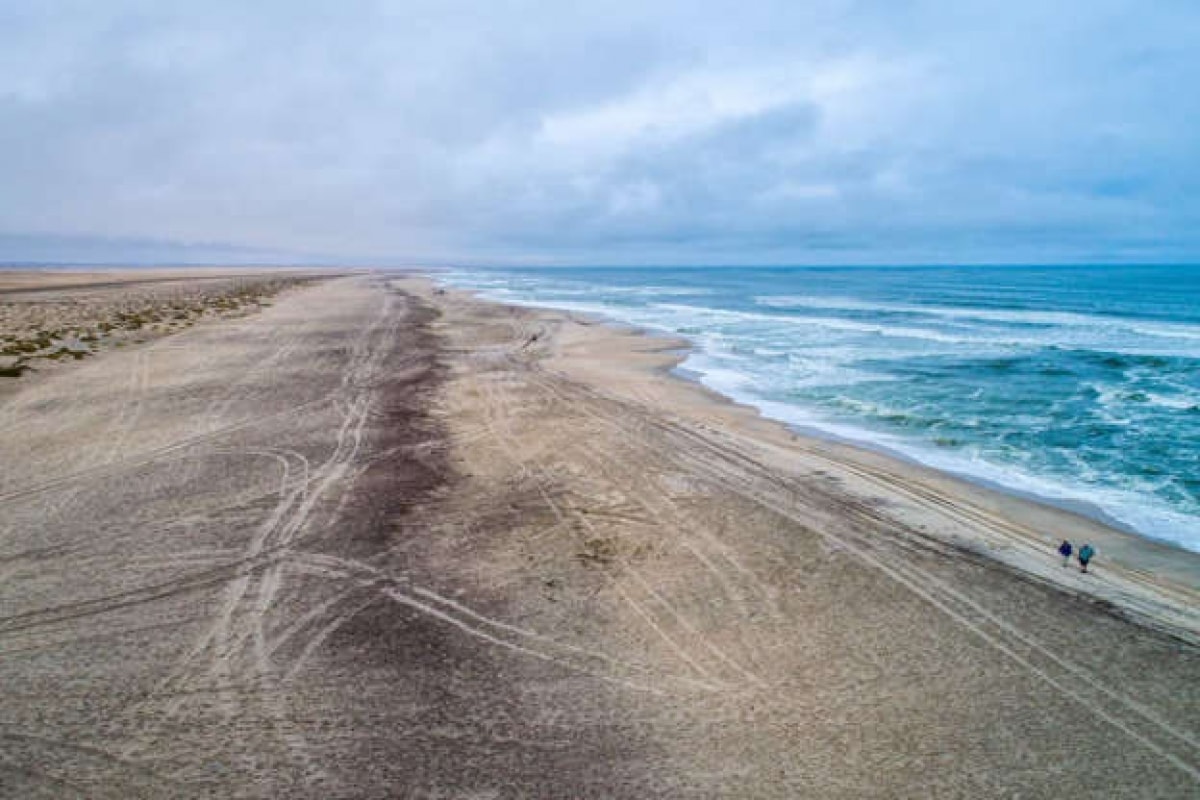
1085,555
1064,550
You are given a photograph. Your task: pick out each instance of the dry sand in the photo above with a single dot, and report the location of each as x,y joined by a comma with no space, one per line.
48,319
380,541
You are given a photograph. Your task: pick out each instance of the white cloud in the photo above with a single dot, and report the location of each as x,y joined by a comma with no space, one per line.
607,132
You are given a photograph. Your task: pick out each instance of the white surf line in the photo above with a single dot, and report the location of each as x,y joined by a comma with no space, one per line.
1078,672
1016,633
1025,538
971,626
923,577
1021,536
1069,666
980,517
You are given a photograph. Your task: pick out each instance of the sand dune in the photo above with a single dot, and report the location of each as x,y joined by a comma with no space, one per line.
380,541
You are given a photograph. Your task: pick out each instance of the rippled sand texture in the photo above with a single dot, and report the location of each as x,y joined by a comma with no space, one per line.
377,541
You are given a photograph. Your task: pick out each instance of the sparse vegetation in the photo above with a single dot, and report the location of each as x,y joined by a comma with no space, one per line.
80,325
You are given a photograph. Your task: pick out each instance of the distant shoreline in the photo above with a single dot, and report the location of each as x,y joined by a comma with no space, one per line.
1080,507
1115,506
1044,522
449,545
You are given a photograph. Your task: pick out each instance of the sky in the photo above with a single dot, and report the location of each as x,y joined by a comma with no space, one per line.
616,132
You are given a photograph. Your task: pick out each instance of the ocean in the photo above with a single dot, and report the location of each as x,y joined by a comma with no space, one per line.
1077,385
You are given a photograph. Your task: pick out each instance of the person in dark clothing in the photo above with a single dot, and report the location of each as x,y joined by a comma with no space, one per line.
1065,550
1085,555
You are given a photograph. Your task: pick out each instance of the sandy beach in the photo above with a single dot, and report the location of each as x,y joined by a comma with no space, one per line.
371,538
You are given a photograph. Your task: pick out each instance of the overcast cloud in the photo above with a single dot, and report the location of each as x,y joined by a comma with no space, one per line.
625,131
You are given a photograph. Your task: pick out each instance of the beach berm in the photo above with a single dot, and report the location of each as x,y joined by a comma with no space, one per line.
377,539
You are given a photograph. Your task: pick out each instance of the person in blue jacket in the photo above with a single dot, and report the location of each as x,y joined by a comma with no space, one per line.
1064,550
1085,555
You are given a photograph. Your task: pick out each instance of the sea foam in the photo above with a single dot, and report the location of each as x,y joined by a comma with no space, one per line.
1078,385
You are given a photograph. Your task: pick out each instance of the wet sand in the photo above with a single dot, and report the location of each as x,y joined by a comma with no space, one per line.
378,541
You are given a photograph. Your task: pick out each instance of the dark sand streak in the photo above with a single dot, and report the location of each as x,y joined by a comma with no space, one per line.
379,542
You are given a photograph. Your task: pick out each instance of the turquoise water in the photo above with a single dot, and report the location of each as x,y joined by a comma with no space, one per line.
1080,385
